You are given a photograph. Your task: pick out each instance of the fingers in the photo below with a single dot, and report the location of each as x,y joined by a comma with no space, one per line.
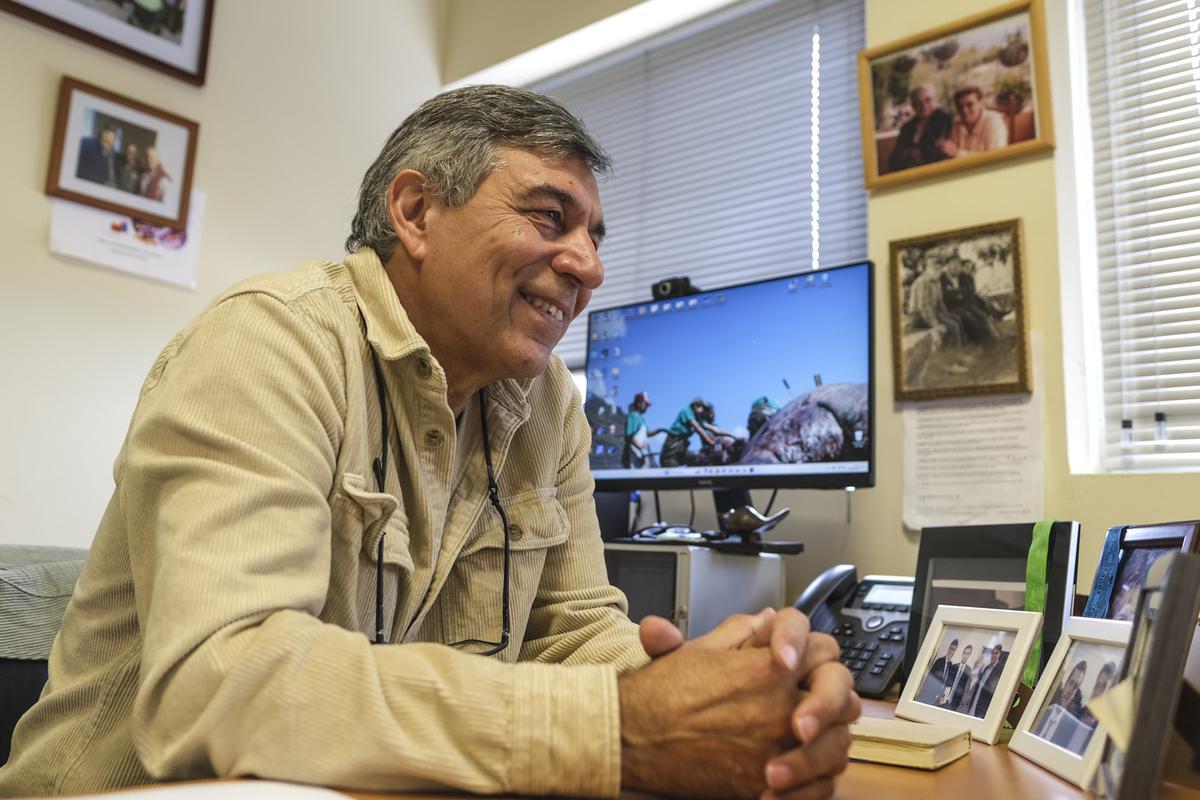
830,701
658,636
789,639
740,630
798,768
817,790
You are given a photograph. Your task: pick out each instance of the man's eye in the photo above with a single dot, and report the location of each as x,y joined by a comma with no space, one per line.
550,214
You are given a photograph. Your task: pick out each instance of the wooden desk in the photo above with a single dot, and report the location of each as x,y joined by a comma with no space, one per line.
988,771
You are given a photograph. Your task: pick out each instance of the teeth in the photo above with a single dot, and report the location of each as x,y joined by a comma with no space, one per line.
549,308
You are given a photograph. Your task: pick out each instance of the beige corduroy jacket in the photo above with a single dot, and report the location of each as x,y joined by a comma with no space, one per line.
221,624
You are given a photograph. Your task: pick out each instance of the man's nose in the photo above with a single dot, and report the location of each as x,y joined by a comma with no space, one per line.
578,258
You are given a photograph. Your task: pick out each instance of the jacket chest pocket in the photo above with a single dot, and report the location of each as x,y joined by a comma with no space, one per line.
360,519
472,600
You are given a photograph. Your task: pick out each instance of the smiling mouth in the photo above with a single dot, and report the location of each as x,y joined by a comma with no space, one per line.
546,307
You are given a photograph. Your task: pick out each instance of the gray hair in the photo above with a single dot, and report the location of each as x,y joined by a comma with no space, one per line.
452,138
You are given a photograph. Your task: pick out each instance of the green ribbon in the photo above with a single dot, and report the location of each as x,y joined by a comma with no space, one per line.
1035,592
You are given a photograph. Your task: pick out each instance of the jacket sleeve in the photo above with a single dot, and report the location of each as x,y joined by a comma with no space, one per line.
224,485
577,616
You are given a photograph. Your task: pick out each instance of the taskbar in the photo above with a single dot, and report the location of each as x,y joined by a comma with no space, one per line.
738,470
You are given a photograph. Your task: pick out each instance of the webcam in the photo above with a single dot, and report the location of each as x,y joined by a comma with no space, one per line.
668,288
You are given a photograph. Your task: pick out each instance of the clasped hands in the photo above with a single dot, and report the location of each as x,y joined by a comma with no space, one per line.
759,707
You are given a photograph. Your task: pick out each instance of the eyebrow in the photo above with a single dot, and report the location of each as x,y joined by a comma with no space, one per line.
565,198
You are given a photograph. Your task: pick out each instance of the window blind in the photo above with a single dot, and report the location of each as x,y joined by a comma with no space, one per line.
736,148
1144,63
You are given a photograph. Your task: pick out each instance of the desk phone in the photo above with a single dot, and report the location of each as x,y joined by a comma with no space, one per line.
869,619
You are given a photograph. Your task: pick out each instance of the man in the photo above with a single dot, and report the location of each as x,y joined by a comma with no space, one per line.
129,170
958,294
917,143
761,411
637,434
981,695
157,183
1102,684
697,417
941,674
928,309
953,695
96,157
351,451
977,129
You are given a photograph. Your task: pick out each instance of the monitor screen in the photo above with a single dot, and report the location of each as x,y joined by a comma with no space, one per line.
764,384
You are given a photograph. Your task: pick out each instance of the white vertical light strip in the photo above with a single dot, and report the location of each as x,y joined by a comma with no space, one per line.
814,149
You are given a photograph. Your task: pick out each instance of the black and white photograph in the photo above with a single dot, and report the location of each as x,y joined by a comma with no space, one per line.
170,36
121,155
958,313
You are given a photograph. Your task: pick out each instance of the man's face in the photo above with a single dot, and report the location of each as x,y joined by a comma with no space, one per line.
966,654
996,656
131,152
950,651
1071,684
107,139
970,107
1102,682
504,274
922,102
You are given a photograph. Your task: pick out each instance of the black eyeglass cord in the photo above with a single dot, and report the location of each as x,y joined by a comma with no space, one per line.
379,466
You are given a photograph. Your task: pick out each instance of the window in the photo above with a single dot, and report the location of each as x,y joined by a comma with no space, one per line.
1143,59
737,149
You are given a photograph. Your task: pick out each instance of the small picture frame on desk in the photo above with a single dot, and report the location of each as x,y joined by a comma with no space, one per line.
968,667
1058,730
1151,677
1126,559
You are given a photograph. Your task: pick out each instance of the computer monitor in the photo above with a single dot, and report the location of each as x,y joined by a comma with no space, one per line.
766,384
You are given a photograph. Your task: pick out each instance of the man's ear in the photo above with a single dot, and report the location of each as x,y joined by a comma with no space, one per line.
408,207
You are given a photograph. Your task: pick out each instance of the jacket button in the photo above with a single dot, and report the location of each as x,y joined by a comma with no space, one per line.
515,532
423,368
433,438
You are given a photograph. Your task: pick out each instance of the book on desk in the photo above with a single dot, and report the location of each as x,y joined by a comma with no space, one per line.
908,744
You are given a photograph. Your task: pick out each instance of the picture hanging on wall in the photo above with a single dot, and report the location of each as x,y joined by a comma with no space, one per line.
170,36
969,93
116,153
958,313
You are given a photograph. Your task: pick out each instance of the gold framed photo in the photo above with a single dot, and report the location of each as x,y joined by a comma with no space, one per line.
121,155
958,313
965,94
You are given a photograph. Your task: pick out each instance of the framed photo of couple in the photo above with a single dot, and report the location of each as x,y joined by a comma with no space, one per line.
972,92
968,667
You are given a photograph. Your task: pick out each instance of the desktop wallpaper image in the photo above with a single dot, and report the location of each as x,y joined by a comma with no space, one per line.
781,366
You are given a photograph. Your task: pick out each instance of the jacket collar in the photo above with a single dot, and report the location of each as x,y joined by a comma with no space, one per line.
393,336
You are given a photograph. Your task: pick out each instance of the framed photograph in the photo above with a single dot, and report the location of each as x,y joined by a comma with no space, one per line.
170,36
116,153
1125,560
958,313
986,566
1058,730
968,668
1151,678
965,94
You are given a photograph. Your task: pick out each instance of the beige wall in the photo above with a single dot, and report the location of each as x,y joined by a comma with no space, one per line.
297,103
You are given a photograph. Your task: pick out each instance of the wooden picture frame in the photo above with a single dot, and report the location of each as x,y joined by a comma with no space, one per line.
173,40
121,155
978,695
1125,560
973,92
959,326
1151,678
1057,731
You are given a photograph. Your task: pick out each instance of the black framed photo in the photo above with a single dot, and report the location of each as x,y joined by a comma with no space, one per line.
122,155
1129,553
170,36
985,566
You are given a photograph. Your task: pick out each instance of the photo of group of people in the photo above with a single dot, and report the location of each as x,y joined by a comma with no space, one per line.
955,94
1131,576
964,676
123,156
1088,671
959,320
